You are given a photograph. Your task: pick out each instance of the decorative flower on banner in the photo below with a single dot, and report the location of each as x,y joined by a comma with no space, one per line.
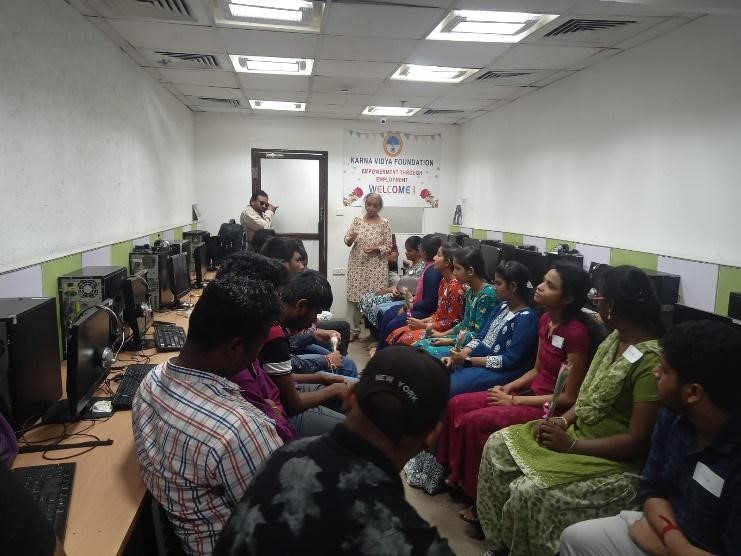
429,198
354,195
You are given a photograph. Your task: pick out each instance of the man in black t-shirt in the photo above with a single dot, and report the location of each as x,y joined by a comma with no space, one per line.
341,493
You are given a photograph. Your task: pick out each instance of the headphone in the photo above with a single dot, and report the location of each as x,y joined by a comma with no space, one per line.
108,357
161,245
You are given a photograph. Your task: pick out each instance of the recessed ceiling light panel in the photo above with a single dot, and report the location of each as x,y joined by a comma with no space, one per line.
272,65
486,26
434,74
398,111
286,15
278,105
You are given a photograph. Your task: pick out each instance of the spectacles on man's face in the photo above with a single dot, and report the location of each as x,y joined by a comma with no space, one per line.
594,296
263,203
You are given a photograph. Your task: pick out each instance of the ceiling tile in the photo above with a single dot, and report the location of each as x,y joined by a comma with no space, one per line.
269,43
340,98
211,78
257,81
343,68
352,85
212,92
485,90
445,103
553,77
456,54
414,88
334,109
384,100
529,56
336,47
169,36
381,21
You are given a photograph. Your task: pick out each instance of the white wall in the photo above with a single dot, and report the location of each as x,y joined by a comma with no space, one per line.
223,144
640,152
84,133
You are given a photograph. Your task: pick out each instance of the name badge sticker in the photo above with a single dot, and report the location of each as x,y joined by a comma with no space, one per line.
708,479
557,341
632,354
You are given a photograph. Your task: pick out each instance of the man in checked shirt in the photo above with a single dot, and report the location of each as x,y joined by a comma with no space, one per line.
198,440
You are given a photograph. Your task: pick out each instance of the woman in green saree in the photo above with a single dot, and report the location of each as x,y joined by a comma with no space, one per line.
538,478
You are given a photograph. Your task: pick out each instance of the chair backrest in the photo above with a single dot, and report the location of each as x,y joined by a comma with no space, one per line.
408,282
168,543
491,257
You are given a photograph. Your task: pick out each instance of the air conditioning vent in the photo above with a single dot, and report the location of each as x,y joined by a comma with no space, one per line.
501,75
179,11
184,59
580,25
431,112
224,102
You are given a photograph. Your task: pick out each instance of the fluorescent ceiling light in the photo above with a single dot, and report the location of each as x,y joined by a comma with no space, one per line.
272,65
436,74
290,15
486,26
278,105
400,111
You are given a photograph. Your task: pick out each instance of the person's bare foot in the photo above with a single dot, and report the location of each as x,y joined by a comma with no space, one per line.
469,515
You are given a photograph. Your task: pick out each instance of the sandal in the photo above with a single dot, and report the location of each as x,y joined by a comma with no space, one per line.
469,515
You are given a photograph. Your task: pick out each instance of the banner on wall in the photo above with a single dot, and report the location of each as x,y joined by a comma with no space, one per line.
403,167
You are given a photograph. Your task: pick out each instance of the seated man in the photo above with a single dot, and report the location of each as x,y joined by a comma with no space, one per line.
198,440
691,485
341,493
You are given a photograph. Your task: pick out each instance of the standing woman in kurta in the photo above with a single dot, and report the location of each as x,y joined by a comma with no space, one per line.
367,268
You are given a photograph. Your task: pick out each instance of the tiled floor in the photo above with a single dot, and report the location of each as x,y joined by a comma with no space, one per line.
440,510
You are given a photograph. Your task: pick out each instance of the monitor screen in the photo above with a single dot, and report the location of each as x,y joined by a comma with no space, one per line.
200,256
179,274
89,336
683,313
137,309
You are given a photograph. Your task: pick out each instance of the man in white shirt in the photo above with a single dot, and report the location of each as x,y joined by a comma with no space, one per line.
258,215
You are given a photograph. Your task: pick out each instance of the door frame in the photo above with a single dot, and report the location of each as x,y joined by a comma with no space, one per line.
323,158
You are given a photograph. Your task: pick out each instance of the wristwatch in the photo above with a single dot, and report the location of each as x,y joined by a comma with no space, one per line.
468,361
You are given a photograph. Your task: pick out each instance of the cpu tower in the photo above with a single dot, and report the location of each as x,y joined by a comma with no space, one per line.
87,287
30,376
155,263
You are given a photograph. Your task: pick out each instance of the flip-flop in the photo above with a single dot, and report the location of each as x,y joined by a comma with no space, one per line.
469,515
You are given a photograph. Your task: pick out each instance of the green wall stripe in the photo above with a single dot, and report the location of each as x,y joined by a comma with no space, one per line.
454,229
479,234
154,237
551,244
194,226
120,253
514,239
52,270
640,259
179,233
729,280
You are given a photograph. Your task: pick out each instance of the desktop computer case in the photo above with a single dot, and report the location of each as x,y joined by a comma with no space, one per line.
30,376
155,263
87,287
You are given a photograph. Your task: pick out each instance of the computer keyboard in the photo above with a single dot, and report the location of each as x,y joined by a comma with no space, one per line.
169,338
51,487
130,381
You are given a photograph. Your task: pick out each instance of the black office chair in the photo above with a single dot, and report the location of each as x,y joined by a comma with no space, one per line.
168,543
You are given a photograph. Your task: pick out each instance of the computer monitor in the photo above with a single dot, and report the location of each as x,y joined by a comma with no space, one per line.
200,259
88,362
215,251
508,251
734,306
535,262
491,256
471,242
177,267
138,314
683,313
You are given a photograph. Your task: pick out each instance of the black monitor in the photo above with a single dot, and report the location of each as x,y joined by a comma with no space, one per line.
471,242
88,362
491,256
177,268
683,313
138,314
508,251
734,305
535,262
215,251
200,259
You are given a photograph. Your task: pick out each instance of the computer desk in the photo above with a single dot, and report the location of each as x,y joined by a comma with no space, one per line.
107,493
